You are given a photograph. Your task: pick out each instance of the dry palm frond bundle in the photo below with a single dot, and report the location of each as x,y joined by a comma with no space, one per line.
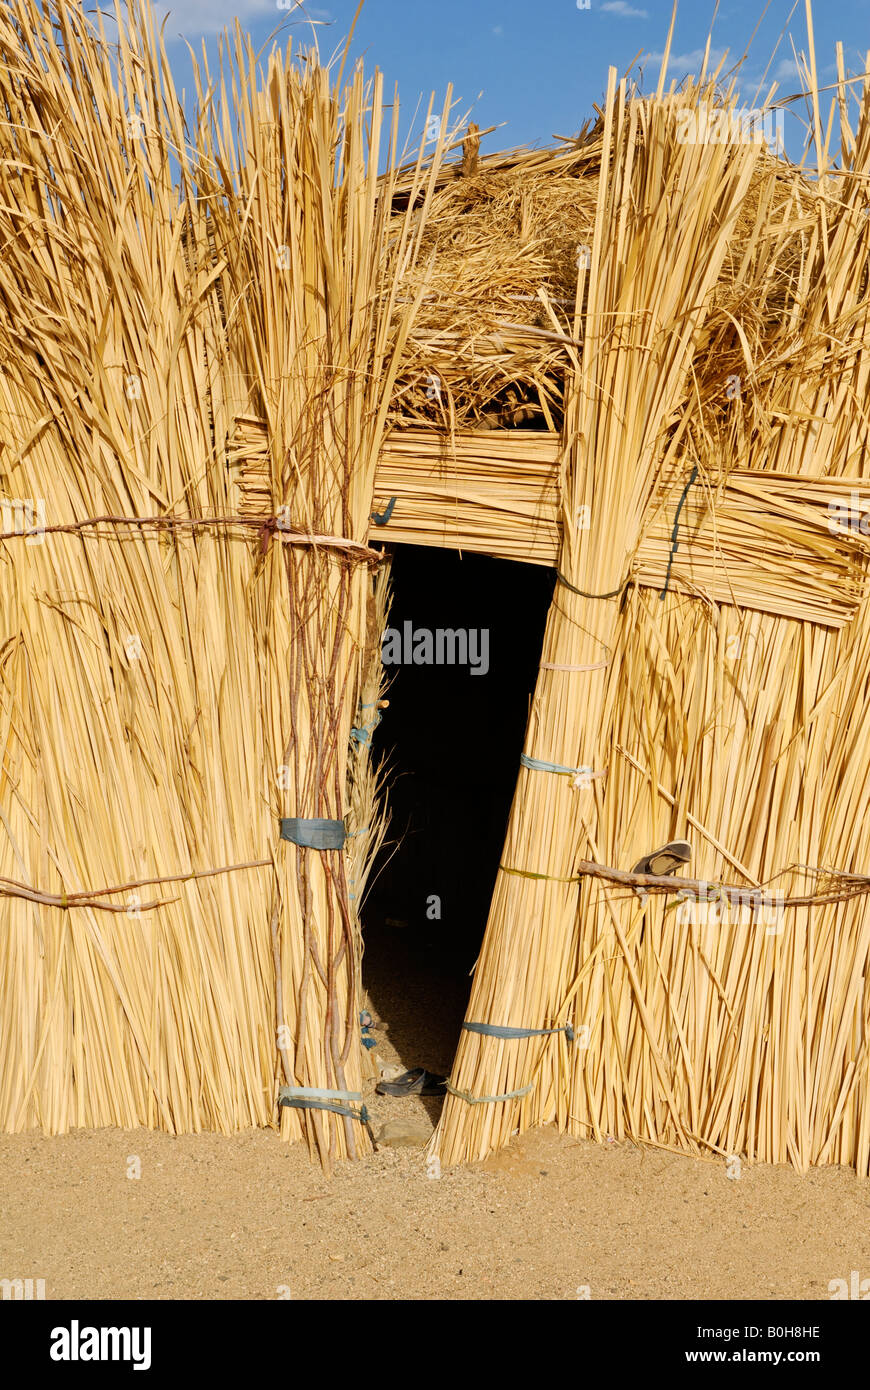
774,542
179,680
319,348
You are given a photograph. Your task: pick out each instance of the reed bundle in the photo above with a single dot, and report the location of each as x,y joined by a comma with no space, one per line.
767,541
179,678
741,731
761,540
656,258
491,491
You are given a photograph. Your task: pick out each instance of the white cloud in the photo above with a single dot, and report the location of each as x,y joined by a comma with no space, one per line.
624,10
498,30
688,62
786,70
193,17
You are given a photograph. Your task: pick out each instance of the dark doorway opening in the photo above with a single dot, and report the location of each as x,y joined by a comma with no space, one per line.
453,740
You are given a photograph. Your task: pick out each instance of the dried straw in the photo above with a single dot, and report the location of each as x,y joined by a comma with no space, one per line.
742,731
176,680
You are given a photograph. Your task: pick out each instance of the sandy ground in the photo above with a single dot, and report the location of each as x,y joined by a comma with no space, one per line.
249,1217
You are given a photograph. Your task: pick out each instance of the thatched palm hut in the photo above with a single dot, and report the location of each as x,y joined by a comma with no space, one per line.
641,360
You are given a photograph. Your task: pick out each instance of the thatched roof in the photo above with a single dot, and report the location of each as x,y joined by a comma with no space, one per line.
504,246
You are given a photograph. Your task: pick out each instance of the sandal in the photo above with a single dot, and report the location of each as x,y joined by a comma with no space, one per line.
418,1082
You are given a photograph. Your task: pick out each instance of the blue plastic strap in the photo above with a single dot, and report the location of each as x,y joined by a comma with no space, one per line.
363,735
676,531
381,518
310,1098
361,1116
313,833
368,1041
496,1030
538,765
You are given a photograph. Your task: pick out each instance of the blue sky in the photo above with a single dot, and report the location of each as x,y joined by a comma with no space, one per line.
537,69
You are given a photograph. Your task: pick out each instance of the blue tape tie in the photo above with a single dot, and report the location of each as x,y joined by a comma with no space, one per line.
496,1030
313,833
312,1098
381,518
538,765
676,531
363,735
